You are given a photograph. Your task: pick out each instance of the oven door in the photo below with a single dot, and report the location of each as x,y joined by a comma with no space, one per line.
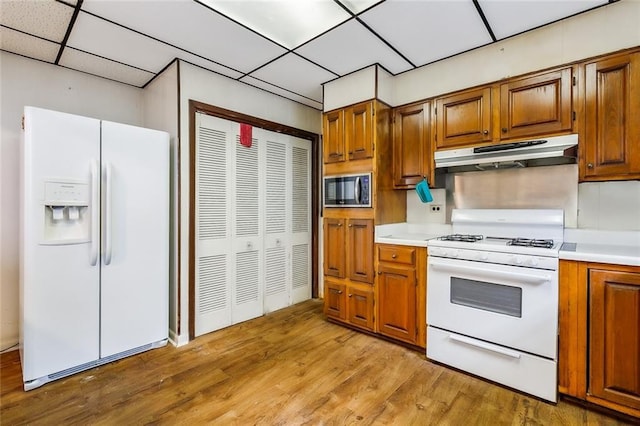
512,306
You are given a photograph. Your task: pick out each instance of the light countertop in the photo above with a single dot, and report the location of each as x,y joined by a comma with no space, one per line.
614,247
410,234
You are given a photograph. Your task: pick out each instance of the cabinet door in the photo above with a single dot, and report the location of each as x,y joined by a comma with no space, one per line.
411,145
358,126
333,136
612,127
614,346
361,250
361,307
335,300
464,118
397,302
536,105
334,248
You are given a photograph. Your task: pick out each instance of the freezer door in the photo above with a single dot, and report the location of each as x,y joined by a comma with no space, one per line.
58,283
134,284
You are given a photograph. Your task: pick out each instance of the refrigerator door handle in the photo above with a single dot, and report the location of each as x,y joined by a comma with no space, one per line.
107,215
95,212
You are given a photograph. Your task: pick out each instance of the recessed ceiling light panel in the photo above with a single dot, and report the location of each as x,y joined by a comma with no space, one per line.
289,23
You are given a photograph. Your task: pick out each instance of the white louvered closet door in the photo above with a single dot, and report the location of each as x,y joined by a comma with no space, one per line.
212,229
247,294
277,235
300,222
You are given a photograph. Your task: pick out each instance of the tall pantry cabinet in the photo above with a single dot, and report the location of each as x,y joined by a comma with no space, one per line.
357,139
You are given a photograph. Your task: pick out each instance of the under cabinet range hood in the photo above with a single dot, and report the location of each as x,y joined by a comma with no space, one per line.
543,151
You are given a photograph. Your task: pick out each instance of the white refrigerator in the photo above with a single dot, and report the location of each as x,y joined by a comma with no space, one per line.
94,266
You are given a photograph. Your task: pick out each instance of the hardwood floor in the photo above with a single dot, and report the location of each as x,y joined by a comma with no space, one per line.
290,367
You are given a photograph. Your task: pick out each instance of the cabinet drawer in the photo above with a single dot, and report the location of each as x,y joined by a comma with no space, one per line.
397,254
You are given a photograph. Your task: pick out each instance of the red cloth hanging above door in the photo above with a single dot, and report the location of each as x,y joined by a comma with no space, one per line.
246,131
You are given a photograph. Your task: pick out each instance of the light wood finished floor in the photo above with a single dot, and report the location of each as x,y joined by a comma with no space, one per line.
290,367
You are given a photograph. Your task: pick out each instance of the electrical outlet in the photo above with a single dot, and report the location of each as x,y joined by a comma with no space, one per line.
436,208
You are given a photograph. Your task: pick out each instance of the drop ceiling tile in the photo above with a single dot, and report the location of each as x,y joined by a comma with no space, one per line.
81,61
44,18
296,74
284,93
357,6
351,47
425,31
103,38
287,22
507,18
29,46
193,27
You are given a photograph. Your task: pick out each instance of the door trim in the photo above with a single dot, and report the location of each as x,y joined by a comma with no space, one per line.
195,107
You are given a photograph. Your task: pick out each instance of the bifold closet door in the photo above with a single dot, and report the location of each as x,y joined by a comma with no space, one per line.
247,289
253,216
213,257
300,222
277,218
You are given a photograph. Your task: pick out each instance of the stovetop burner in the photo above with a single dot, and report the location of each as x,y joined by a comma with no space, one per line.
527,242
462,237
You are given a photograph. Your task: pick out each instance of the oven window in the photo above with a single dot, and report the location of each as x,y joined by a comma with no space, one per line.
502,299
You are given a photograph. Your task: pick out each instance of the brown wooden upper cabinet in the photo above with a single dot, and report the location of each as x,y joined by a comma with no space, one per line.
463,118
611,142
411,145
333,134
536,105
358,126
348,133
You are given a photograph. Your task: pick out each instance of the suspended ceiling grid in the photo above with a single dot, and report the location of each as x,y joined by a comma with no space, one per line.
286,47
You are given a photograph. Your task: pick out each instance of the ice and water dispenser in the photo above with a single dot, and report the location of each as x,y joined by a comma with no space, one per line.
66,212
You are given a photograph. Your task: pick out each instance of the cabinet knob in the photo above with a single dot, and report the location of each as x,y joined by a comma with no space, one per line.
350,294
504,130
590,166
486,132
350,225
379,273
339,291
393,256
340,224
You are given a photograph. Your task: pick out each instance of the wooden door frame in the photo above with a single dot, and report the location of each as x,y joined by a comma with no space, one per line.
195,107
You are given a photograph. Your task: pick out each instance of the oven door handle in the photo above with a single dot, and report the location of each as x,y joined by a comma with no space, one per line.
486,346
488,273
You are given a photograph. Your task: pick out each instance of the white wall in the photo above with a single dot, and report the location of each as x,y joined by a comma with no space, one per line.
28,82
161,112
210,88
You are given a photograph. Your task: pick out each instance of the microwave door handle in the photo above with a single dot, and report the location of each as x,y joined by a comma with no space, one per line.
358,190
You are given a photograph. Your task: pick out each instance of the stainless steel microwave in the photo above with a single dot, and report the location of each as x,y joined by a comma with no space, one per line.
347,190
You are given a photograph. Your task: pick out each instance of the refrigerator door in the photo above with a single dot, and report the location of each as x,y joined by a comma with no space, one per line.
59,286
135,228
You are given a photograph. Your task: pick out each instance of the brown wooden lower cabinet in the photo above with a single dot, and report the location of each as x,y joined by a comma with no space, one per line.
397,302
401,288
335,304
614,336
599,334
360,307
349,303
394,306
